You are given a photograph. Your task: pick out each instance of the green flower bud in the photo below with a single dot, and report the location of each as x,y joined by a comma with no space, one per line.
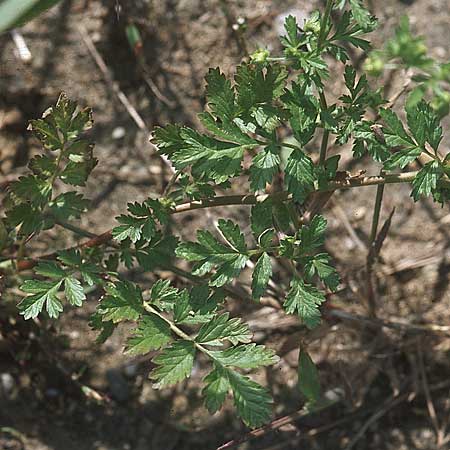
260,56
374,65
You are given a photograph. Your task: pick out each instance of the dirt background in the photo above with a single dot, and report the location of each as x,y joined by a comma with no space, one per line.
394,379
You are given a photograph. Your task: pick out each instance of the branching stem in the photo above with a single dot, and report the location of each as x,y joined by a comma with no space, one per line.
248,199
178,331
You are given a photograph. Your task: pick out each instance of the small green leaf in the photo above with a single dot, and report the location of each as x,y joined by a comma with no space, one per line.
222,328
220,96
426,180
424,125
158,253
308,377
152,333
123,301
249,356
174,364
50,270
361,14
402,158
216,388
44,293
232,234
312,235
292,38
181,307
394,132
134,228
71,258
261,276
106,328
74,291
264,166
68,205
252,401
319,264
31,188
14,13
210,158
80,165
208,253
42,166
305,300
163,293
256,86
261,217
299,175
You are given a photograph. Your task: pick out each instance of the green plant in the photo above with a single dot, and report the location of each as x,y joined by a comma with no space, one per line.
404,50
14,13
244,120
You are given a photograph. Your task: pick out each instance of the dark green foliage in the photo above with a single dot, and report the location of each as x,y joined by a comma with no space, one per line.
31,204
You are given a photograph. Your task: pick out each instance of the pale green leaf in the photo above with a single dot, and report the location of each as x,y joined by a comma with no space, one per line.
74,291
222,328
250,356
174,364
152,333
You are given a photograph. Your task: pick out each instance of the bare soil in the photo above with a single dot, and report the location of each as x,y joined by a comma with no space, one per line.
394,380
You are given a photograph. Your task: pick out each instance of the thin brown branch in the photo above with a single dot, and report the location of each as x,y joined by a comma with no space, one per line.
440,434
404,327
274,425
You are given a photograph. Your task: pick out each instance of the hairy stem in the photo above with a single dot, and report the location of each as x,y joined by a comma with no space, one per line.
77,230
376,212
371,288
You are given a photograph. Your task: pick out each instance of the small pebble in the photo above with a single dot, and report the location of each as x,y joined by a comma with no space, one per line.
130,370
348,242
440,52
7,383
359,213
118,133
74,334
118,385
52,392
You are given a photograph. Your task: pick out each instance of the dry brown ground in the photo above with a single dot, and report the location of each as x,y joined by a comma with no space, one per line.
379,369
